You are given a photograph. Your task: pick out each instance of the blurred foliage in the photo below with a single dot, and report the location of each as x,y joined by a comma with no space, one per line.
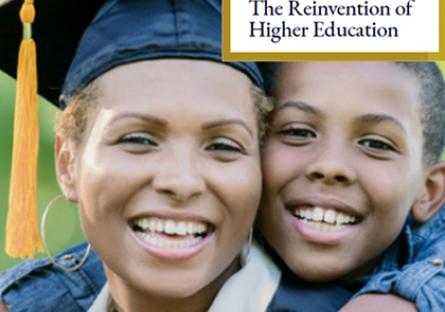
63,229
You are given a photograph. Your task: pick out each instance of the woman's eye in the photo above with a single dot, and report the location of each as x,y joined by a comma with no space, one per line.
377,145
142,138
224,145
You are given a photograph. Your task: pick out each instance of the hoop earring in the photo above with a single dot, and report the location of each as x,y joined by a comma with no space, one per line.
45,246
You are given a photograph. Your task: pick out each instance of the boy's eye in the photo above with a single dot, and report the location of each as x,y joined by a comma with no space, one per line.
304,133
140,138
224,146
297,131
377,145
297,134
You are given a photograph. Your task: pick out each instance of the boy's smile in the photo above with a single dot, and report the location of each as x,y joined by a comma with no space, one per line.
342,165
323,219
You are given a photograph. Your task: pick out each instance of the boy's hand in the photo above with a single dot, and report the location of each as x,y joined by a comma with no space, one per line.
3,307
379,302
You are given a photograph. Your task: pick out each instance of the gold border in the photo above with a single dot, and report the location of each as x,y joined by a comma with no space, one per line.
227,55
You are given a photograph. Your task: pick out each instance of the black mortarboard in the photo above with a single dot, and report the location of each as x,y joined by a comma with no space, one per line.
57,29
185,28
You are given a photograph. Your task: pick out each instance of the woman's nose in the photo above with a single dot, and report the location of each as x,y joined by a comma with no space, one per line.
179,177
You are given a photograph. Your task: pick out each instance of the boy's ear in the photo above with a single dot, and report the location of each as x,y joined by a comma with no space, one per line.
65,170
434,194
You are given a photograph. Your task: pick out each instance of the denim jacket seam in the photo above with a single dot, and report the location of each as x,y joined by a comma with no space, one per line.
7,281
424,272
79,273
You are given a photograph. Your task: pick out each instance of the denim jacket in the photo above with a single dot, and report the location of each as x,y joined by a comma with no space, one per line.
35,285
413,267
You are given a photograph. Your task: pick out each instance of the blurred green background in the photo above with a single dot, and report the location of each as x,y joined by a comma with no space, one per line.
63,229
62,226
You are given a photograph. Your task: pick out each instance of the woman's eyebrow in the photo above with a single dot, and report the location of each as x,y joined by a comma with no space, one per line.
144,117
302,106
226,122
381,118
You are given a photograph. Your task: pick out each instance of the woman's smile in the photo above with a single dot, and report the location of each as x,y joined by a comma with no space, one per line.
171,238
169,173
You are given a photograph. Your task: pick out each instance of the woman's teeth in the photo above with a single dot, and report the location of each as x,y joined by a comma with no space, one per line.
324,219
168,233
169,243
171,227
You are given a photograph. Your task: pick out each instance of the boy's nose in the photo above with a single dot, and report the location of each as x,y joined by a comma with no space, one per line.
179,178
331,167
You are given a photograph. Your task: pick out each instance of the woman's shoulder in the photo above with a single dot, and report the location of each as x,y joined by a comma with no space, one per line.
35,285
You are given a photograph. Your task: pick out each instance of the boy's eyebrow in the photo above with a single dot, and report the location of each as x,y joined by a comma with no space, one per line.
300,106
381,118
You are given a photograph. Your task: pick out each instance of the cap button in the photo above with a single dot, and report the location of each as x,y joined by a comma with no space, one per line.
437,262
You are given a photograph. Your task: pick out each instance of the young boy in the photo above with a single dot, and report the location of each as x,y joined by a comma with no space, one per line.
351,164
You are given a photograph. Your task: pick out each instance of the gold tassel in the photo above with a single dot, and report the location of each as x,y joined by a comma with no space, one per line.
22,237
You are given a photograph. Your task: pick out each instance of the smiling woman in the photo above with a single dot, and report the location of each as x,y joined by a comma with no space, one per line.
162,161
154,175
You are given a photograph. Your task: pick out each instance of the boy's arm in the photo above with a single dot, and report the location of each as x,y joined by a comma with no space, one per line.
34,285
379,302
421,279
3,307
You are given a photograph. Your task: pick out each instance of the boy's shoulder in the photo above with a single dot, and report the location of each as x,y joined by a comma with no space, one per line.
429,234
413,267
35,285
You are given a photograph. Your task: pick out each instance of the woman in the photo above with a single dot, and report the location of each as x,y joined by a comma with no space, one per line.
154,182
162,160
114,156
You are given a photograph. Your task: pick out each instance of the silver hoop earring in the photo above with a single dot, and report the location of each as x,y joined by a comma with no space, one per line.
45,246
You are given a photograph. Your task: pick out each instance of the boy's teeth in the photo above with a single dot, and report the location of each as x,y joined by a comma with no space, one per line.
171,227
340,219
181,228
159,226
329,216
318,214
324,216
190,227
324,226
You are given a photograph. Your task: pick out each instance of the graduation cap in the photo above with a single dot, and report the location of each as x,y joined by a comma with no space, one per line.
56,30
122,31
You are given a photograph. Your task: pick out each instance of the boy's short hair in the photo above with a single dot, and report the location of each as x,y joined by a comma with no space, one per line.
432,107
432,97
